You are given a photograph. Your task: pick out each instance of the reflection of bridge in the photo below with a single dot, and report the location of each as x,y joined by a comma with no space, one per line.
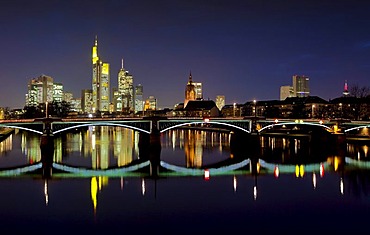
243,167
162,124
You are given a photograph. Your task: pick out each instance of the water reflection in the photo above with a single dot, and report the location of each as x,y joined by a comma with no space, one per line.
200,148
299,177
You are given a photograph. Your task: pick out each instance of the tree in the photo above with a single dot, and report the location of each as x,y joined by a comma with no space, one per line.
359,92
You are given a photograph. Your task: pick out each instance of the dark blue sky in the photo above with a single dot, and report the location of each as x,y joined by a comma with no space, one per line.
243,49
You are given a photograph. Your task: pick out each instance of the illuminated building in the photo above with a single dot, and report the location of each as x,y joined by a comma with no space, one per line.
86,100
100,82
139,98
285,92
345,90
301,86
150,103
76,105
220,101
117,100
41,90
58,92
126,90
198,90
67,96
190,93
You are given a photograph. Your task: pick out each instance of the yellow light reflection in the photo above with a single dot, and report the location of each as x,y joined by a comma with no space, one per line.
301,170
297,171
94,192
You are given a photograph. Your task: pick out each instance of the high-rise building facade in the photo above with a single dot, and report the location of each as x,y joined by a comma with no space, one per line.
301,86
285,92
86,100
220,101
58,92
139,102
126,90
189,91
40,90
100,82
198,90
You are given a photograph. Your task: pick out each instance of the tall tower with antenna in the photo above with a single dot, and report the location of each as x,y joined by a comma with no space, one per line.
345,89
100,82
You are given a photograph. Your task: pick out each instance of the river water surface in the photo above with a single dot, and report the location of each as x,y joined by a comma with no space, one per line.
327,192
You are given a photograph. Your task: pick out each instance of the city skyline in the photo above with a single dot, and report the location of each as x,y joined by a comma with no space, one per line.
243,50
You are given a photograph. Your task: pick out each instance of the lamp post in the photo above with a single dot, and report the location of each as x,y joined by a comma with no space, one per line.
46,109
255,108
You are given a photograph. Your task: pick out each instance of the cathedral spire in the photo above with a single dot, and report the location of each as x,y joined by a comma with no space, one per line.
122,64
190,78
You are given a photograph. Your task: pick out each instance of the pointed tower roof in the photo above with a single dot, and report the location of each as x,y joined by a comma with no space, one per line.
190,81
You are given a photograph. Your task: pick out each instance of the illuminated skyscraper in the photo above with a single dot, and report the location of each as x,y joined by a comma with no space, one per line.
126,90
198,90
86,100
285,92
189,91
139,103
40,90
58,92
100,82
301,86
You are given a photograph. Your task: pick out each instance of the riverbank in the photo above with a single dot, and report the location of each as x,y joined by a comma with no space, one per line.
5,132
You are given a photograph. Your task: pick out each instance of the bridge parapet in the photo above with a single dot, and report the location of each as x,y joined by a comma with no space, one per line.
226,123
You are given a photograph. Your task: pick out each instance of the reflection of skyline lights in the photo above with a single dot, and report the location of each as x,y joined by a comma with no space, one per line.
314,180
206,174
235,183
143,188
341,186
46,192
276,171
7,144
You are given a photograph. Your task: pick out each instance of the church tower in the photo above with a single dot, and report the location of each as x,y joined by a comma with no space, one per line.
189,91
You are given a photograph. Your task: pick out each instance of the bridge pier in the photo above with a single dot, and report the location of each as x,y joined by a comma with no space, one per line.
155,152
47,147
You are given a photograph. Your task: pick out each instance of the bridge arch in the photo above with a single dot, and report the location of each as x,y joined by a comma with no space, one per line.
356,128
102,124
204,122
22,128
295,123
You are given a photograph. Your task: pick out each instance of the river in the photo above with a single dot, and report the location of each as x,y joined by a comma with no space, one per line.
298,188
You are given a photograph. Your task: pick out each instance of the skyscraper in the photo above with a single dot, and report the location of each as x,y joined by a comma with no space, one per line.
40,90
126,90
100,82
139,102
285,92
301,86
198,90
86,100
189,91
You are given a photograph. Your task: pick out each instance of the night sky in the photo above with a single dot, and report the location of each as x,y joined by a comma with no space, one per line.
243,49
